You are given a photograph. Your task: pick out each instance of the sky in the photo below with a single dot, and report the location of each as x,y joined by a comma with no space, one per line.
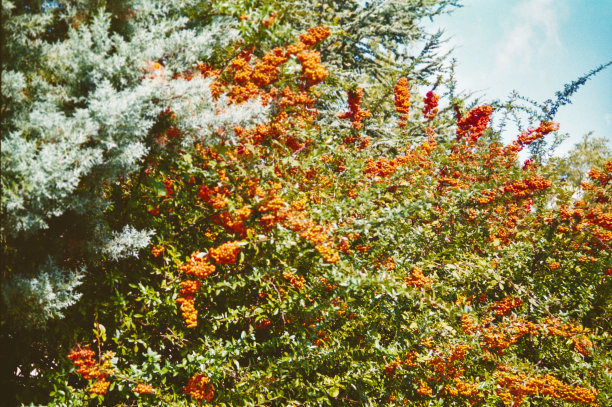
535,47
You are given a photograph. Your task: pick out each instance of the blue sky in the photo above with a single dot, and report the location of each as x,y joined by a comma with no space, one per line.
535,47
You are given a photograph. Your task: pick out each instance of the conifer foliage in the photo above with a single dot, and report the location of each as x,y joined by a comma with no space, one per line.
250,203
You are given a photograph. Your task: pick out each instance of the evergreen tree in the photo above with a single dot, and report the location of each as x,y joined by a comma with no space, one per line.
591,152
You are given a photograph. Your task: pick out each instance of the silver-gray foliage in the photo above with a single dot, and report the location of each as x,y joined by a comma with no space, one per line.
126,243
37,299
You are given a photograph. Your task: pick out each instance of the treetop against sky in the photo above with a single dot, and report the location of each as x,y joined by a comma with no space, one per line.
534,47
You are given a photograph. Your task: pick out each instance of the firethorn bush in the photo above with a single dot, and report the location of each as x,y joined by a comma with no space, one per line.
315,239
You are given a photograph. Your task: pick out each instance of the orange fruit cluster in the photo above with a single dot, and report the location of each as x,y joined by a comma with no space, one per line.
157,250
90,369
99,387
471,127
402,100
527,186
249,80
200,388
227,253
424,389
215,196
504,306
417,279
189,287
233,223
515,387
143,388
431,105
355,114
296,281
199,266
188,310
313,71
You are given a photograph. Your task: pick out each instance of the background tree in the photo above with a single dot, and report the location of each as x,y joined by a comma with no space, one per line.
587,154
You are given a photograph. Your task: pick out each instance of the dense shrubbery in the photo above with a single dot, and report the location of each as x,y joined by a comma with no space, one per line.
320,232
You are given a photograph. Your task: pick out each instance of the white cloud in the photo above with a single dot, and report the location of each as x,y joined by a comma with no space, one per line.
536,30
